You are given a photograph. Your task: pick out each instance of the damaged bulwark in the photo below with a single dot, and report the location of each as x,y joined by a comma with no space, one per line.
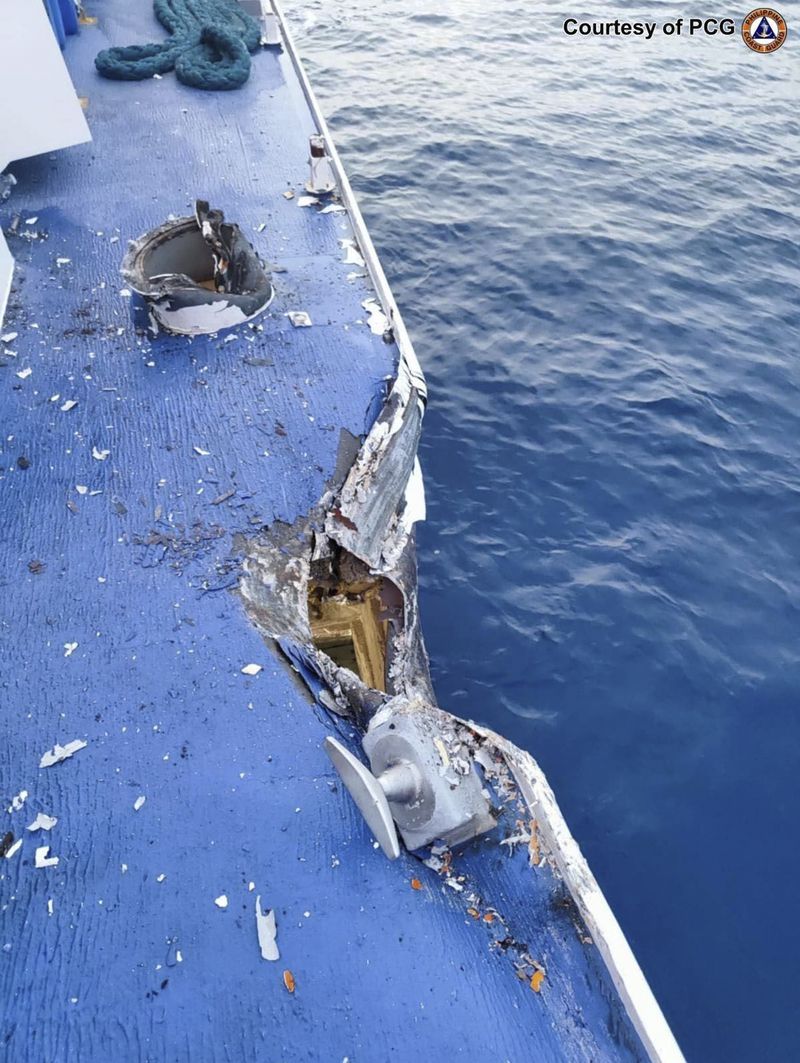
357,547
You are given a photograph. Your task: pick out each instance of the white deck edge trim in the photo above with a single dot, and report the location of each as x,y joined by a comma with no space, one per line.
368,252
640,1004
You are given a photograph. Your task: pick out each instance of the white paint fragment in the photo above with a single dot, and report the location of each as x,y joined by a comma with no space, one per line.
41,859
299,318
251,886
23,374
69,648
221,901
307,201
289,194
378,321
63,261
352,255
14,848
100,455
139,802
70,404
50,906
161,877
32,221
59,753
334,208
9,337
267,933
82,489
252,669
43,822
125,293
18,801
178,956
201,452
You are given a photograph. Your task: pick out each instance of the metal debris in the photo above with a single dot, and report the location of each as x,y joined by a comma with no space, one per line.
352,256
267,932
13,848
43,822
59,753
378,321
18,801
299,318
41,859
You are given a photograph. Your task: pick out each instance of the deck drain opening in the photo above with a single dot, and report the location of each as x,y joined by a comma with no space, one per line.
198,275
353,617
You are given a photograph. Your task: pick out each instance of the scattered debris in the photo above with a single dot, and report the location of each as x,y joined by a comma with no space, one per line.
307,201
201,452
221,901
252,669
289,194
50,906
352,256
223,497
18,801
139,802
9,337
299,318
43,822
288,981
69,648
267,932
416,884
100,455
23,374
70,404
59,753
12,849
378,321
36,567
41,859
333,208
536,981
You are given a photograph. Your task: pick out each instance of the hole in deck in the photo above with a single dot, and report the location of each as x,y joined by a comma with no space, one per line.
353,616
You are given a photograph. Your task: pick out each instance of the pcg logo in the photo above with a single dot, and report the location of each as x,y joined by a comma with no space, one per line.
764,30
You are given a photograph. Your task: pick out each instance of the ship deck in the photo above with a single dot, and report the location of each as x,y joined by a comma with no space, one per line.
120,549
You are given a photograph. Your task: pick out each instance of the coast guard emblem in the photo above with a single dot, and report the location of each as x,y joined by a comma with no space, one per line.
764,30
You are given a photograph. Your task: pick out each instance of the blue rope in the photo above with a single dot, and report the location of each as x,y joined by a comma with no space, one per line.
208,46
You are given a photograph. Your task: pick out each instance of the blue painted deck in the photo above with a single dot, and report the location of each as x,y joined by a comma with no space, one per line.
237,787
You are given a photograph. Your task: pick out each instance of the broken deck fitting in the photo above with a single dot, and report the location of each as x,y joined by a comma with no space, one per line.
198,275
431,792
322,179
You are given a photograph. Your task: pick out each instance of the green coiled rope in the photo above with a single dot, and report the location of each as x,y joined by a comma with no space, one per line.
208,48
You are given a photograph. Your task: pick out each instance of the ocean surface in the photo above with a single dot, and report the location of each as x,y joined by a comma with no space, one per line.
594,243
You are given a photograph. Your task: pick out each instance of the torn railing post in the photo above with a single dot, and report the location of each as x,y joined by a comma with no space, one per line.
322,179
422,778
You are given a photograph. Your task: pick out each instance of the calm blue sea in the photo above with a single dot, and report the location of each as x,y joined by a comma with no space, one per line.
595,246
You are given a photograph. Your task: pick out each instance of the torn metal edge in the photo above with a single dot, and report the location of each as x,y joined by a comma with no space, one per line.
408,392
